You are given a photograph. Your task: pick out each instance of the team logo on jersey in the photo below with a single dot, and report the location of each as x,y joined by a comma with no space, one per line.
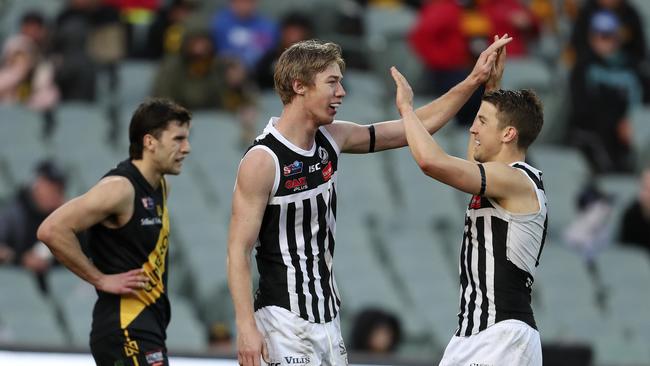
323,155
155,358
297,184
327,171
131,348
342,349
292,169
150,221
529,282
148,203
314,167
475,203
297,360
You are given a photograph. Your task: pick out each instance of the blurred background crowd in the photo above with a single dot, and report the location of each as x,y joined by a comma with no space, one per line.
72,72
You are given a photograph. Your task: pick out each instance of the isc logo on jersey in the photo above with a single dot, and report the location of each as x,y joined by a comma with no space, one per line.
327,170
315,167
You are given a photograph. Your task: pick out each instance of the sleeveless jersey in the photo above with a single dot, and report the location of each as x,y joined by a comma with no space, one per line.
141,243
296,240
499,254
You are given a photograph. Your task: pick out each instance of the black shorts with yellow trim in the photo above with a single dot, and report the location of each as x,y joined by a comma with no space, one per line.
126,350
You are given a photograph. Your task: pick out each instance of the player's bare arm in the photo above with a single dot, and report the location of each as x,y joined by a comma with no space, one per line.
355,138
254,184
501,180
110,202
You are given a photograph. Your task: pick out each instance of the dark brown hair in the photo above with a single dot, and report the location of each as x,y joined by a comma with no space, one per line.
151,118
521,109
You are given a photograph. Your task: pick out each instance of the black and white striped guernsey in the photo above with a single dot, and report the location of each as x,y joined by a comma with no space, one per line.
499,254
296,240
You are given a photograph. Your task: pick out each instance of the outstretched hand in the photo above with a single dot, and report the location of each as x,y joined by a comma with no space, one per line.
123,283
498,67
491,63
404,93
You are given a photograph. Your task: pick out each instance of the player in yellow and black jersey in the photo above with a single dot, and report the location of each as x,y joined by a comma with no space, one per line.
128,222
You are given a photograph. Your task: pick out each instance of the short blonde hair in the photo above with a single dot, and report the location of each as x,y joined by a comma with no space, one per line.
302,61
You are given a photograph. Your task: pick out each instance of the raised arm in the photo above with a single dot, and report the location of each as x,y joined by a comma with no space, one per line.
254,184
493,83
355,138
458,173
111,199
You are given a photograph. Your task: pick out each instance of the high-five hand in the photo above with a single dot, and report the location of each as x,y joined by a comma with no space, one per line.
484,66
404,93
499,65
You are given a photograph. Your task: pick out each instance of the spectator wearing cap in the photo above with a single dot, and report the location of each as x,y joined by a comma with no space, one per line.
632,38
21,216
604,86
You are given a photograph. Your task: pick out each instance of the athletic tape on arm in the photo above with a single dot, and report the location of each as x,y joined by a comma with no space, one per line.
481,169
371,130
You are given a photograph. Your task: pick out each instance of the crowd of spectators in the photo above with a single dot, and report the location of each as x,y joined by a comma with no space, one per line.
225,59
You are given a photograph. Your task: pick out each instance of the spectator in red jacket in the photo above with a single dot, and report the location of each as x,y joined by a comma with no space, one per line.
437,36
444,35
515,19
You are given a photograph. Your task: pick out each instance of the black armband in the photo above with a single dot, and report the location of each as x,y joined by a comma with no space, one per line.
371,130
482,171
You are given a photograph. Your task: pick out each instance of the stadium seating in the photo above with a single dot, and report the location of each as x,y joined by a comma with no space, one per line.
23,125
640,120
527,73
398,231
564,173
75,299
623,190
136,80
185,332
26,316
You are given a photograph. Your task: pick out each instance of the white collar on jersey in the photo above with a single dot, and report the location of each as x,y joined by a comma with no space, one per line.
270,128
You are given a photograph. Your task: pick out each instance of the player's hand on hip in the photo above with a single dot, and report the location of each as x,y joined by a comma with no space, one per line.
123,283
485,64
250,346
404,93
